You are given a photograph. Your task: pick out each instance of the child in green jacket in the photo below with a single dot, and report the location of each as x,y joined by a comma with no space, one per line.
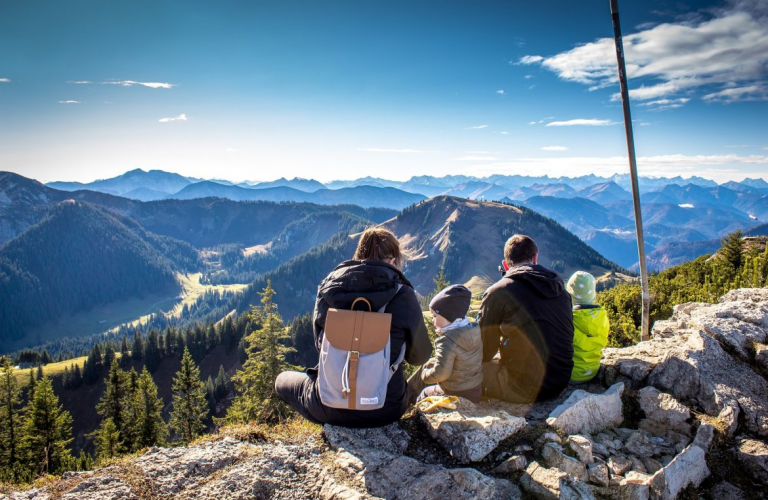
590,325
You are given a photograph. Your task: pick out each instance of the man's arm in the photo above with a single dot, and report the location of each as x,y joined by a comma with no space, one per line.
490,318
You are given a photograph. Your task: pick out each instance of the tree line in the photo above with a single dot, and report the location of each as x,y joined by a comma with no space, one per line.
739,263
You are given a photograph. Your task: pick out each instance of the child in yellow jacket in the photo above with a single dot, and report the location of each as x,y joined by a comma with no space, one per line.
590,325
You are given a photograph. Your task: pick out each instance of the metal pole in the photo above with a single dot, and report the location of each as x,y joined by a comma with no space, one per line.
644,327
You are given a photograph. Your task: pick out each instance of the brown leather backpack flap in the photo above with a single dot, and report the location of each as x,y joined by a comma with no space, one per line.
357,330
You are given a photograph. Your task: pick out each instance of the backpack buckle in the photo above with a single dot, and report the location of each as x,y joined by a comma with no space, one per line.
354,355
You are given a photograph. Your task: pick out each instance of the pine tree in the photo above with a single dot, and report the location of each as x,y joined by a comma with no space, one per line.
32,384
152,353
10,415
47,430
137,349
111,407
39,374
732,249
149,425
107,440
440,281
189,405
266,351
125,352
220,384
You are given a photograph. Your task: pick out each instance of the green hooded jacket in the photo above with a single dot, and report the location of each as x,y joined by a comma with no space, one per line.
590,336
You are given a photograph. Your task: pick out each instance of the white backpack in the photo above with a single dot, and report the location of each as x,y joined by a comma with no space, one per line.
354,369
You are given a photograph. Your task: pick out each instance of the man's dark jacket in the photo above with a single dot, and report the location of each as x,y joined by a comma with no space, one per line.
527,317
376,281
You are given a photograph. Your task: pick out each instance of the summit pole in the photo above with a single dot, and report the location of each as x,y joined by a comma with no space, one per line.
644,327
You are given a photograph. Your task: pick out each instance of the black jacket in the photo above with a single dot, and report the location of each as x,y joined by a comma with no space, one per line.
377,281
527,317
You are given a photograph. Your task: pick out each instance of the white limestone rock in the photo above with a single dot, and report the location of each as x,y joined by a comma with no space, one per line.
662,411
584,412
469,433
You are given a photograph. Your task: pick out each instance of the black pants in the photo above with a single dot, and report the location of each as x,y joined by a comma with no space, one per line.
299,390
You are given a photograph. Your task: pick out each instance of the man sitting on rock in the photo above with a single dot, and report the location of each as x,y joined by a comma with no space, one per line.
526,323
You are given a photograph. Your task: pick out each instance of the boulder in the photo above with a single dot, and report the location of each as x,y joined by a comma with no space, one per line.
598,473
726,491
584,412
381,469
470,433
690,357
753,455
582,446
761,356
662,412
639,445
553,456
552,484
513,464
688,468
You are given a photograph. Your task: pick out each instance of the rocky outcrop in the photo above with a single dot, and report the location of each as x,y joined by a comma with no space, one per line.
469,433
684,414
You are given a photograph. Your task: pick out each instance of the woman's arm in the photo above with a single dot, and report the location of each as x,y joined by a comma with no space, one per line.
417,344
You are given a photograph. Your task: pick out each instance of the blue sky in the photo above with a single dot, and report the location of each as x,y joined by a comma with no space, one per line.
256,90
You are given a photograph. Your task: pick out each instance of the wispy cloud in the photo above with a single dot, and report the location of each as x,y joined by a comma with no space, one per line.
528,77
723,53
476,158
152,85
530,60
504,132
686,205
592,122
554,148
69,102
181,118
757,92
500,91
126,83
664,104
476,127
5,80
386,150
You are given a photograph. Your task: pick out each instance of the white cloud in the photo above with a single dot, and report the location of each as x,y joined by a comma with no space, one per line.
727,51
504,132
478,152
554,148
181,118
756,92
686,205
131,83
80,82
69,102
530,59
5,80
528,77
476,127
664,104
500,91
383,150
476,158
593,122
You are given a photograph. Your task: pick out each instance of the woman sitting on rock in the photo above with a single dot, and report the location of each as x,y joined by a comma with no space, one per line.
374,275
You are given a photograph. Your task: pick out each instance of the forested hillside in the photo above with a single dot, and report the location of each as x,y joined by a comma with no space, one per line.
740,262
77,257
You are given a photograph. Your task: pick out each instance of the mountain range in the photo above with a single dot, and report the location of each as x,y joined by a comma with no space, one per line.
675,210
